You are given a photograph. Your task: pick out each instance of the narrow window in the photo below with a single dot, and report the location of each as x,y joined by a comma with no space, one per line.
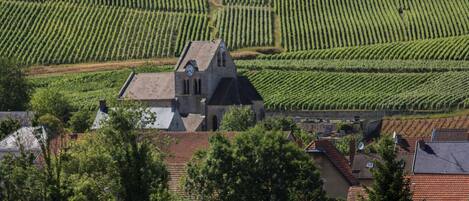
223,58
186,87
197,86
200,86
214,123
219,59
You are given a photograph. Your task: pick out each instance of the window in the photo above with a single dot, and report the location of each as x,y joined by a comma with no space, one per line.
186,87
223,58
197,86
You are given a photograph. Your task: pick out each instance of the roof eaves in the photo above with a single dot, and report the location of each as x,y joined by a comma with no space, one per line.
126,85
183,55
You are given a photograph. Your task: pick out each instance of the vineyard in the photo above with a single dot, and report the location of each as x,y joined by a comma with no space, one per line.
52,33
161,5
306,90
451,48
321,24
246,26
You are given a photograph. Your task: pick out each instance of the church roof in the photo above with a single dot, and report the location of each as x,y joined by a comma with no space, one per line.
164,117
231,91
201,52
149,86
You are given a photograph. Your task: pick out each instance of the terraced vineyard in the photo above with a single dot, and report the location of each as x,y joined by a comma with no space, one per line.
306,90
451,48
422,127
51,33
246,26
320,24
162,5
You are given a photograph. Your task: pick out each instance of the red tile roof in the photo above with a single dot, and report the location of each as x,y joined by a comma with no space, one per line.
355,193
430,187
422,127
337,159
179,147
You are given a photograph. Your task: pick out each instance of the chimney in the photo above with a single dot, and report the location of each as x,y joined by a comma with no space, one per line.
352,147
102,106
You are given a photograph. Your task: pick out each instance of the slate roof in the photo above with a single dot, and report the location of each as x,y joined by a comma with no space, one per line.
232,91
25,136
450,134
164,117
202,52
336,158
25,118
441,158
149,86
431,187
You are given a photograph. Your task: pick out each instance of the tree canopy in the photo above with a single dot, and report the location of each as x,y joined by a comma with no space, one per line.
389,183
255,165
14,88
238,119
48,101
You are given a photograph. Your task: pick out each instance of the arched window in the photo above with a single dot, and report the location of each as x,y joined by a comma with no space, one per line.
214,123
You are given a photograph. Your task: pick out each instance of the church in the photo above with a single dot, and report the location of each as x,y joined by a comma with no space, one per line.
194,97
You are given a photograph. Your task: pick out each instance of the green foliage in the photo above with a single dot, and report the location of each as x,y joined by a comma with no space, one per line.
8,126
14,88
21,180
280,123
81,121
306,90
48,101
354,66
246,26
61,32
318,24
451,48
343,144
238,119
84,90
142,176
389,183
52,124
256,165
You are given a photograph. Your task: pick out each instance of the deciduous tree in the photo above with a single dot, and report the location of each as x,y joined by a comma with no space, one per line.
14,88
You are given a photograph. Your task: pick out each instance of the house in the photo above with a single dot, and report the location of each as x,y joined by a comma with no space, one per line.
334,168
441,158
195,96
25,137
364,162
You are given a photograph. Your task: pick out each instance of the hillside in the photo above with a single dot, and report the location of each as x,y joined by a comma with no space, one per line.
288,87
72,31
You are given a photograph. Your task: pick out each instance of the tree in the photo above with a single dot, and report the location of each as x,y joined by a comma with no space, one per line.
117,159
48,101
389,183
238,119
256,165
80,121
8,126
287,124
21,180
14,88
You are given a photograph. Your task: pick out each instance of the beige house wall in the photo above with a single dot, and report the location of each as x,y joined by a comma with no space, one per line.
335,185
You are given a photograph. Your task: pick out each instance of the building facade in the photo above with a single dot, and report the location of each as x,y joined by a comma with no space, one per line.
202,87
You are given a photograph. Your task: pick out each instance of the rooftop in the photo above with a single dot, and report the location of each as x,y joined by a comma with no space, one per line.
232,91
201,52
441,158
149,86
422,127
337,159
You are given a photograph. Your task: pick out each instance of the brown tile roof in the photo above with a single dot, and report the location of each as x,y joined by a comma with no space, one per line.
149,86
201,52
337,159
433,187
355,193
179,147
422,127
